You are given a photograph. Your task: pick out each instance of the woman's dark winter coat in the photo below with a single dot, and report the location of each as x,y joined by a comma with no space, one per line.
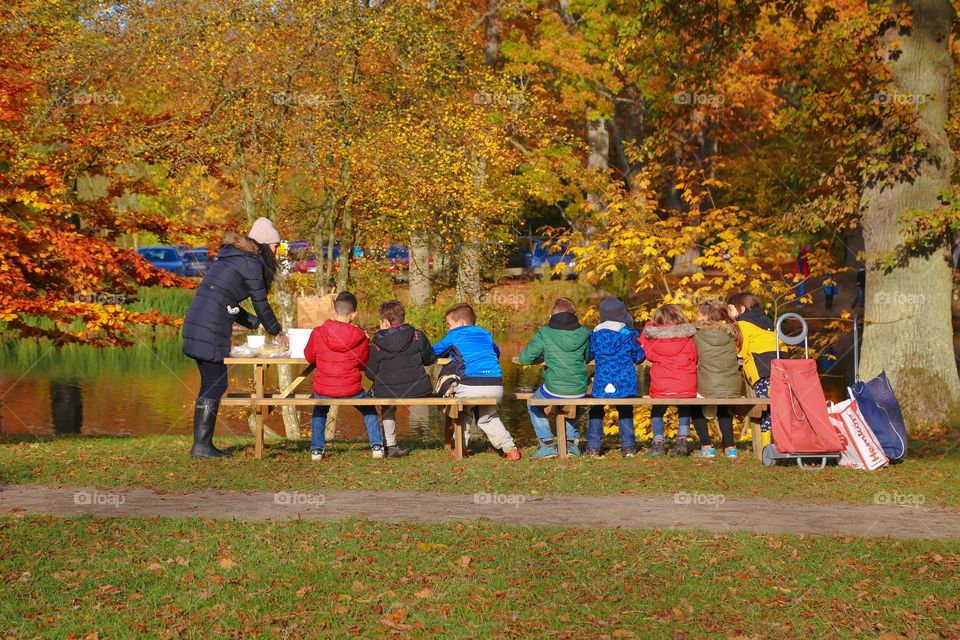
396,364
238,273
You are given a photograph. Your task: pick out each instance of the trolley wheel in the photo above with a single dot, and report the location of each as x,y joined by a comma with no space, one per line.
767,455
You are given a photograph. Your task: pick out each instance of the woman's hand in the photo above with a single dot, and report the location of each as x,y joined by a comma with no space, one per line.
283,340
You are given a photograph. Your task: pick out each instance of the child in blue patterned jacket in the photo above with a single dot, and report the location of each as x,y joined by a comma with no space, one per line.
616,350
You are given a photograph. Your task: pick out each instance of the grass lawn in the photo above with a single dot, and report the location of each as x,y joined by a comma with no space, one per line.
197,578
161,462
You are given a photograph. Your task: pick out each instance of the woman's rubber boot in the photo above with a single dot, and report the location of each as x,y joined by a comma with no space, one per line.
204,421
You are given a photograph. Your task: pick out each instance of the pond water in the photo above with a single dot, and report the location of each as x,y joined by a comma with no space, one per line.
150,388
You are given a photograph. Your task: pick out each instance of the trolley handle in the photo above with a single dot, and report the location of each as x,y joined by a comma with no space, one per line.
793,340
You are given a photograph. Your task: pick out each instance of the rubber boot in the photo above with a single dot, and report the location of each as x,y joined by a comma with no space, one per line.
204,421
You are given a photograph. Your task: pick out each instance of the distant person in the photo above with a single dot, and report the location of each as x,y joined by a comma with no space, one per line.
245,268
615,347
398,355
482,375
801,271
563,345
339,349
668,343
830,289
861,297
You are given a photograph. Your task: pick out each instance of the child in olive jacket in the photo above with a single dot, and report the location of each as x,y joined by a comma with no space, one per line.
563,345
718,340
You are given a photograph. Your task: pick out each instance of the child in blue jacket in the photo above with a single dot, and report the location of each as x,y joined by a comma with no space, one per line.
482,376
616,350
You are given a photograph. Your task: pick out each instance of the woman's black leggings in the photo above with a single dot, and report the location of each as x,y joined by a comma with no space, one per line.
726,426
213,380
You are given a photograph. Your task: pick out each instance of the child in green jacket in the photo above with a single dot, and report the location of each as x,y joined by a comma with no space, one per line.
563,345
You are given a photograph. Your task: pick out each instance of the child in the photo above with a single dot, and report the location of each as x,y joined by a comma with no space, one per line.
482,377
718,340
563,345
668,343
339,350
759,346
616,349
398,355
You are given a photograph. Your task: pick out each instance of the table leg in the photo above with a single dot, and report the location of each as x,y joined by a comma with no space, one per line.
458,436
259,371
755,436
562,433
450,414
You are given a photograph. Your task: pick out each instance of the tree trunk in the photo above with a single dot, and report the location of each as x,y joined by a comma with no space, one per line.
346,236
598,139
419,269
908,330
286,310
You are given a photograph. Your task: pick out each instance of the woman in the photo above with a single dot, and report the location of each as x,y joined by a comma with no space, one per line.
245,268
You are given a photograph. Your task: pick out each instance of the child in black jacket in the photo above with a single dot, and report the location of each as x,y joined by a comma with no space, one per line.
398,355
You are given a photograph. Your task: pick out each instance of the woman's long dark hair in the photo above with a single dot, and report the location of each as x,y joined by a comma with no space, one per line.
270,265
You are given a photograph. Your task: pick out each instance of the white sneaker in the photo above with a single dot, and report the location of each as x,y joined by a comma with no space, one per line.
377,453
316,455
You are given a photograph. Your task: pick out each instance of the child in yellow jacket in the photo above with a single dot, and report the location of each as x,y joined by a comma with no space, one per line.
759,345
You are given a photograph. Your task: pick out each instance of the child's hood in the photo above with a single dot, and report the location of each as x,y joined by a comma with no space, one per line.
671,338
340,336
716,334
758,317
565,331
395,339
611,337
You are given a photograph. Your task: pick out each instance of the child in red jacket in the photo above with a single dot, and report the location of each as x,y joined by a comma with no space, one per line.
672,353
339,350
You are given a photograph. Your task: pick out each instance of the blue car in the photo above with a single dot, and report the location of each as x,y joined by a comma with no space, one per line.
165,258
543,254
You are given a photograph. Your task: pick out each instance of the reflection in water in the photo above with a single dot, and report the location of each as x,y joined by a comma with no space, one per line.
150,389
66,402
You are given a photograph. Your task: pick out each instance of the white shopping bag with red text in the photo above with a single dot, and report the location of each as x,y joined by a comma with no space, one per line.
862,449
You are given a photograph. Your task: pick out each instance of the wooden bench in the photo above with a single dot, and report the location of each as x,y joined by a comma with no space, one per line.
564,408
263,402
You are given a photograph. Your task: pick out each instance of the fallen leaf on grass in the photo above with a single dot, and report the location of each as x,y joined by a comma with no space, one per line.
426,592
465,561
227,563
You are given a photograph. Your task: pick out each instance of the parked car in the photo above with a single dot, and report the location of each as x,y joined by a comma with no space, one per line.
196,262
182,248
305,261
505,259
545,253
165,258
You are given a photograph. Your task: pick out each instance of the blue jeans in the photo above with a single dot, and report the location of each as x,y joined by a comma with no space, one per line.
541,423
595,427
656,421
318,425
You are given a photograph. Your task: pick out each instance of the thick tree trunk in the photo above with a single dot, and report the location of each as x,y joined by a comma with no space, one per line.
419,269
346,237
598,140
908,330
286,311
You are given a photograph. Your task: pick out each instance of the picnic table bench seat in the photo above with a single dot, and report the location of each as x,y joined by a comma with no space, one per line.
561,408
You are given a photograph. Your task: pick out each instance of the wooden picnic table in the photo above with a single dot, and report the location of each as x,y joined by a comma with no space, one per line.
263,402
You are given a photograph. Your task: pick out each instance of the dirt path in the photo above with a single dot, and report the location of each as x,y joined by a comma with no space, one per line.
712,512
